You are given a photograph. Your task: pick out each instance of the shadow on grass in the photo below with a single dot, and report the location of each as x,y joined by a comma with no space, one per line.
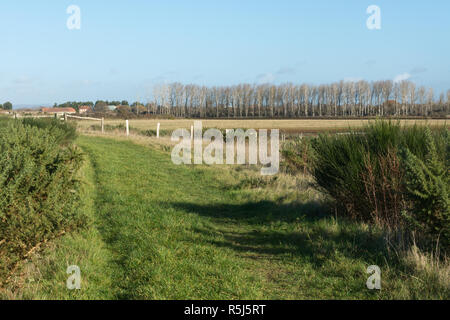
267,229
259,212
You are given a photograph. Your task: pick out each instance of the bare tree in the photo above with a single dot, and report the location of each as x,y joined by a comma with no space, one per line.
344,98
448,103
430,97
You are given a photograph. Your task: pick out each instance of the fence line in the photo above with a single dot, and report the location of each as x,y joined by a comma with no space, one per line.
66,116
18,115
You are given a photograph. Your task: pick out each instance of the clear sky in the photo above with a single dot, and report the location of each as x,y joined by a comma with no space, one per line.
124,47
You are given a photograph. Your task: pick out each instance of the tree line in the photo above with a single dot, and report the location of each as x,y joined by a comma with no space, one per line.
339,99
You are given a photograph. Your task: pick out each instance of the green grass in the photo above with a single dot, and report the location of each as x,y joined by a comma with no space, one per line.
161,231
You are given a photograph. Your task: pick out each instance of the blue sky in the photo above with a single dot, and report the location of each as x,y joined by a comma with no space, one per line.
125,47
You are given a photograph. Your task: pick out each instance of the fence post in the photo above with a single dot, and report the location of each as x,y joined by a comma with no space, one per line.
128,128
157,130
192,132
103,125
65,116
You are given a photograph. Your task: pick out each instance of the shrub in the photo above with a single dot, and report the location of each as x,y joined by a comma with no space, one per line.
296,156
427,184
38,187
62,131
338,163
386,170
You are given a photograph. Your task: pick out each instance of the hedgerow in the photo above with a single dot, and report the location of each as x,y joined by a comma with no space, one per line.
38,187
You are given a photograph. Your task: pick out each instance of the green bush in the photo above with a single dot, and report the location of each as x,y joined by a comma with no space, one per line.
296,156
427,184
63,132
38,187
379,173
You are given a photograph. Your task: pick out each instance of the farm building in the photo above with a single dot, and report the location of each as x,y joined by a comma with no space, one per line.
84,109
58,111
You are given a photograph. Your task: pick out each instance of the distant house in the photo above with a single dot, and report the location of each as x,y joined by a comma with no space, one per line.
58,111
84,109
112,108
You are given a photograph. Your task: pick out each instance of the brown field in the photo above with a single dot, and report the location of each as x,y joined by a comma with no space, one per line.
305,125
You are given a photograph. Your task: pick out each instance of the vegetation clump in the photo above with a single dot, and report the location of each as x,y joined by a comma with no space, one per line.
391,175
38,186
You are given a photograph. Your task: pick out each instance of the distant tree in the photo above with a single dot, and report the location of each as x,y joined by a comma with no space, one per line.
123,109
7,105
136,103
101,106
124,103
430,101
448,101
1,106
138,108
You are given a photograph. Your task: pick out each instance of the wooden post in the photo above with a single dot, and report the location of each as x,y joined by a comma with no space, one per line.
103,125
157,129
192,132
65,117
128,128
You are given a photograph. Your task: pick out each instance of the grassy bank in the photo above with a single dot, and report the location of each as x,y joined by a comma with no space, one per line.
162,231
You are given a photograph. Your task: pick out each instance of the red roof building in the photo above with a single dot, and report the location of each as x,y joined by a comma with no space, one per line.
58,110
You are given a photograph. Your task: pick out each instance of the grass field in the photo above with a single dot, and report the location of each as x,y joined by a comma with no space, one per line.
310,125
160,231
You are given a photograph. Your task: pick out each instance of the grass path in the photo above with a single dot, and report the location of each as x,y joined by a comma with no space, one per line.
177,233
159,251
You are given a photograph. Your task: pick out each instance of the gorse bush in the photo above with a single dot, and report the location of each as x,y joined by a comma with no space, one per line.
63,132
387,174
427,184
38,187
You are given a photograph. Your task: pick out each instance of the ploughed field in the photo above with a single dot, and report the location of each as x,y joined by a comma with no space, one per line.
293,126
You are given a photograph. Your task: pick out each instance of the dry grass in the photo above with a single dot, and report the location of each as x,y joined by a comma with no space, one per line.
430,265
306,125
